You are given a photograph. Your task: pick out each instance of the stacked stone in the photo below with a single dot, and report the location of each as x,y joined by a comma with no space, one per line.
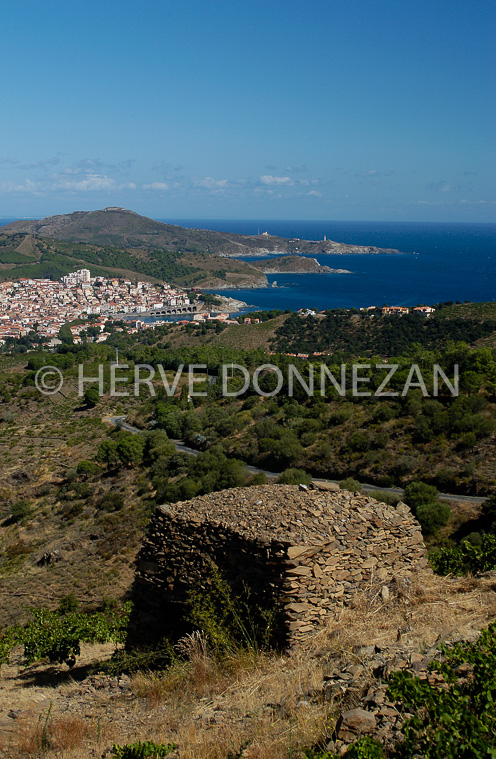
303,552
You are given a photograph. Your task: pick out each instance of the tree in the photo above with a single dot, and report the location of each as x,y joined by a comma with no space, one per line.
424,502
130,449
65,335
91,397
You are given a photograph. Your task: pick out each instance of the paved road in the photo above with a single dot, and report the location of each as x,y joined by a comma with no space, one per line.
119,421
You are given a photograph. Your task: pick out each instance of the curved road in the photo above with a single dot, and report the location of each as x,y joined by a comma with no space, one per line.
120,421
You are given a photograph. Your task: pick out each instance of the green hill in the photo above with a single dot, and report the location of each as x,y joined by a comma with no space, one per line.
25,254
123,228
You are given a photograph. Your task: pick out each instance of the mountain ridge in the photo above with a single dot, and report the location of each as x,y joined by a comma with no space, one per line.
119,226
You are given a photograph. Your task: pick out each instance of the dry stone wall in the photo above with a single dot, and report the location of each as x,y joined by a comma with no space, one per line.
302,553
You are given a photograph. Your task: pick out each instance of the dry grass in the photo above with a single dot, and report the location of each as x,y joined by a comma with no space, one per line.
210,708
422,610
60,735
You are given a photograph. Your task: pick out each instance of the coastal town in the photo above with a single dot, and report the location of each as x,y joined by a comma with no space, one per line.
45,305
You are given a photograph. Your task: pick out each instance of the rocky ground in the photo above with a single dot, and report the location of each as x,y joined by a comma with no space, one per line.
324,693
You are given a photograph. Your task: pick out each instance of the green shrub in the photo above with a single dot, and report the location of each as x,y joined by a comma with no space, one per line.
142,750
68,604
466,557
351,484
432,516
91,397
467,441
294,476
87,468
386,497
71,475
308,439
260,478
111,502
20,511
457,720
340,416
57,635
425,505
418,493
359,442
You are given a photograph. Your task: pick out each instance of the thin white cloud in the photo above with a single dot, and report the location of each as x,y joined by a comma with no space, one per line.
155,186
315,193
478,202
373,173
441,186
210,183
269,179
42,164
94,182
95,166
27,186
295,169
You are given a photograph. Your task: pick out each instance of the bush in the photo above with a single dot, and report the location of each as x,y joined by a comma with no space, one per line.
386,497
467,441
432,516
260,478
56,635
87,468
91,397
68,604
142,750
418,493
294,476
425,505
469,556
359,442
20,511
351,484
71,475
111,502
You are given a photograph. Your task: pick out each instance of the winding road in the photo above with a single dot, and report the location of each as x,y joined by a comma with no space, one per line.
120,421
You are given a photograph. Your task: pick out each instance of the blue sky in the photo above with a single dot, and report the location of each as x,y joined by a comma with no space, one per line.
353,110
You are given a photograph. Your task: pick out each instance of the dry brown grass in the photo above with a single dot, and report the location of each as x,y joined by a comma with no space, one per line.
210,708
422,610
63,736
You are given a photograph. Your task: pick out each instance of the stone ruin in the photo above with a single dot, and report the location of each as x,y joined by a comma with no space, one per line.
300,552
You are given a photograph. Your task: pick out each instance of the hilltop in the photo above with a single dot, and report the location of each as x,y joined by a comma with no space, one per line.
28,254
120,227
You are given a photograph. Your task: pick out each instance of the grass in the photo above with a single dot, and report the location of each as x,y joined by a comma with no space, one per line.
210,708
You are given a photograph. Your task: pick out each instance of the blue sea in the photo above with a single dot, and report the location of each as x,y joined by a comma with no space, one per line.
439,262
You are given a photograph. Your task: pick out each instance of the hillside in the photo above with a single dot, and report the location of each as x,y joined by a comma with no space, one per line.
295,265
120,227
77,493
26,254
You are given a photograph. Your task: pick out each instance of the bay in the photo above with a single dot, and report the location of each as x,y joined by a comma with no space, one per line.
440,262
